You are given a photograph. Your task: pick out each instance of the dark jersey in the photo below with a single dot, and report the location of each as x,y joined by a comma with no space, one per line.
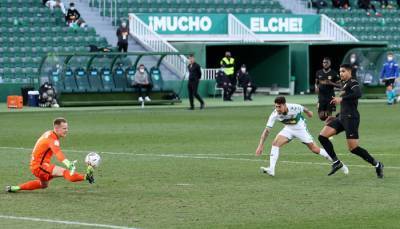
350,94
326,91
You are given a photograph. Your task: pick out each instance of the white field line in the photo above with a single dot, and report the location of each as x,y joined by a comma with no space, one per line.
63,222
205,157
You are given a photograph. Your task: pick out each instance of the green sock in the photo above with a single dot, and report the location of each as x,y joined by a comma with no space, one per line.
15,188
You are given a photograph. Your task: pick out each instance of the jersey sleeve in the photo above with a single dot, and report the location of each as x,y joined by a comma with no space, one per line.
55,147
297,107
271,119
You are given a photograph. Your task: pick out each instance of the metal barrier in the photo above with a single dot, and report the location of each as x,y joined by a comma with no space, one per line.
209,73
337,33
298,6
103,6
156,43
238,30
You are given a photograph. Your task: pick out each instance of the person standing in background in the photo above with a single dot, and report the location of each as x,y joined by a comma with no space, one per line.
389,74
194,80
122,34
228,64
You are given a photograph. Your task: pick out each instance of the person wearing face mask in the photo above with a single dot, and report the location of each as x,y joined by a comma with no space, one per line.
389,74
224,83
246,82
228,63
73,15
122,34
142,80
325,82
354,63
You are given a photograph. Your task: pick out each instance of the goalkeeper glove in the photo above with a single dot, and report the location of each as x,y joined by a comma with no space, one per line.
70,166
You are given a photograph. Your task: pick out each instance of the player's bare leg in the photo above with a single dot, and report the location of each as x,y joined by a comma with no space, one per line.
278,142
321,151
354,148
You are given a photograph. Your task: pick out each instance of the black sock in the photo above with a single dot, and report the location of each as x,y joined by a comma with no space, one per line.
328,147
364,155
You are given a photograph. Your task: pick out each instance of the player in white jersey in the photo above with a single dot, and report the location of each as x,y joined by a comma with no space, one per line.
295,127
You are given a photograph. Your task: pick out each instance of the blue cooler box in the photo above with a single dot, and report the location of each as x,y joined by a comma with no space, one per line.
33,98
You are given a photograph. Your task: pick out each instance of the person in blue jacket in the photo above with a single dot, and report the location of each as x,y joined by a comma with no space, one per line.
389,74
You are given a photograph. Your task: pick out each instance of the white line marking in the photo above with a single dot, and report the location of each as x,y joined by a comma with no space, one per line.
64,222
192,156
197,154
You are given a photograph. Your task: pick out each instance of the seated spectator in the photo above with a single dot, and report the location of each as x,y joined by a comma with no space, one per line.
367,5
142,80
223,82
343,4
53,4
73,17
246,82
319,4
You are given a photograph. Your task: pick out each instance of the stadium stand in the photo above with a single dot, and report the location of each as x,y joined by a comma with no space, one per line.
197,6
369,28
28,31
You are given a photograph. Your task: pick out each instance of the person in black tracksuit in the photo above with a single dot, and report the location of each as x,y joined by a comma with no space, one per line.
224,83
326,80
194,80
122,34
348,120
245,82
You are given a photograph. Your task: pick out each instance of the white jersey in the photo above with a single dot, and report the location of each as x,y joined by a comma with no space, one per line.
295,126
293,117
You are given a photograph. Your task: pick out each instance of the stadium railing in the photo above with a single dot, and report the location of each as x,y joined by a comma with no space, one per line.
238,30
331,29
156,43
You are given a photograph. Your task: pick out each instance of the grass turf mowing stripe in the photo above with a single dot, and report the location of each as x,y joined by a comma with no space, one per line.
205,157
64,222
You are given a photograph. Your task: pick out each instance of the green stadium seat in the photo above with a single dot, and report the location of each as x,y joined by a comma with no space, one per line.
95,80
82,80
120,78
107,80
69,81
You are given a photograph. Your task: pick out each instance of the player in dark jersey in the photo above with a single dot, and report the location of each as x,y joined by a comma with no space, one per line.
348,120
325,82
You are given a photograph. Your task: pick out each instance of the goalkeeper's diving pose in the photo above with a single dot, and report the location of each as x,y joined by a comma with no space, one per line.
41,167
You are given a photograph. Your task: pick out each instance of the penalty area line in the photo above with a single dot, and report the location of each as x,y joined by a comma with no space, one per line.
64,222
193,156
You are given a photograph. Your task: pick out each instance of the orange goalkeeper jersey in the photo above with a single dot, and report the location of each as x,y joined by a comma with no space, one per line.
47,145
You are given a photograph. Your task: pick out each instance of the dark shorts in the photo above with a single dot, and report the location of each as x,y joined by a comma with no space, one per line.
389,82
349,125
325,105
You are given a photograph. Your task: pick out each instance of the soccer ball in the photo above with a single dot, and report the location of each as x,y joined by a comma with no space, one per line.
93,159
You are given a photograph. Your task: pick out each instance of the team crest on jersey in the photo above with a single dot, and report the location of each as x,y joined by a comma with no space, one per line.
329,77
57,143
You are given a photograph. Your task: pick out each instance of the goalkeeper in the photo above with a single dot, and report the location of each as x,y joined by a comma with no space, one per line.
41,167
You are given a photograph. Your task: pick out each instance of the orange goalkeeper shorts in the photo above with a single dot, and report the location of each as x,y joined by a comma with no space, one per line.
44,172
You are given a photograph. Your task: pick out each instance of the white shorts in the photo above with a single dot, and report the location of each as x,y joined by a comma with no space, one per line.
301,133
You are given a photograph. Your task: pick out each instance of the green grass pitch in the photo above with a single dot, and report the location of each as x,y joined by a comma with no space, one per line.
167,167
